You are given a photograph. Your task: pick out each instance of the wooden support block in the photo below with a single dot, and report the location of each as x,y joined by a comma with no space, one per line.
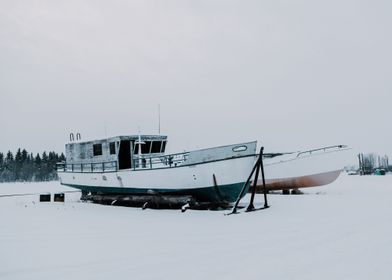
59,197
44,197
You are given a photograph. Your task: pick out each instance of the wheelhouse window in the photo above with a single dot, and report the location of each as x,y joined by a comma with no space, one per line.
163,146
156,147
112,148
97,149
146,147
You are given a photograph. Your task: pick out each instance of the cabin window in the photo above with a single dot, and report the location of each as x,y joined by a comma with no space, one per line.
156,147
146,147
97,149
112,148
163,146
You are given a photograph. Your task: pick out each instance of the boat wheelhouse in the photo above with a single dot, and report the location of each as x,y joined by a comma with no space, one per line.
113,154
137,165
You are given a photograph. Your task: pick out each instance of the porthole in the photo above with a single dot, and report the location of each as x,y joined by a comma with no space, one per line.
240,148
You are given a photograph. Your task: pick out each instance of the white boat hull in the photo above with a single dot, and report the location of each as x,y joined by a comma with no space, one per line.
304,169
217,180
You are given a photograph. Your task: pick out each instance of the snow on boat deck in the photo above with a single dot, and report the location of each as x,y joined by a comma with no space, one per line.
339,231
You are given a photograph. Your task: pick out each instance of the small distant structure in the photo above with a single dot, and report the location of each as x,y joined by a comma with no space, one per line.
383,162
379,171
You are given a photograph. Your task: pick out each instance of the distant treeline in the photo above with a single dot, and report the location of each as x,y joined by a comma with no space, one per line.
24,166
368,163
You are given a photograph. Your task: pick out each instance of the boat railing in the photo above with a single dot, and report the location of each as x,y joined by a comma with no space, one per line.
325,149
138,163
162,161
109,166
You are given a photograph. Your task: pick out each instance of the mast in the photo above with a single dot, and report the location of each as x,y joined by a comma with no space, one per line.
139,142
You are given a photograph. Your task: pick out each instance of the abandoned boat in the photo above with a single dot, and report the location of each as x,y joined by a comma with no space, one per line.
136,169
304,169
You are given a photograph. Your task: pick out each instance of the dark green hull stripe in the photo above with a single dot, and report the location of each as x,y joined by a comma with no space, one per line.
224,193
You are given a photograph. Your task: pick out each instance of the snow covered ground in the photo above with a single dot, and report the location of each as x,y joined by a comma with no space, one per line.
340,231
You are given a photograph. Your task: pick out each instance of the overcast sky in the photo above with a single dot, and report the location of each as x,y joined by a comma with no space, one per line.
290,74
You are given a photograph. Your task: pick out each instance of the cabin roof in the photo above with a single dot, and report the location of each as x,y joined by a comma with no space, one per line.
144,137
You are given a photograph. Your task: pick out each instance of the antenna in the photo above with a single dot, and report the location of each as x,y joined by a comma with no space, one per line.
159,119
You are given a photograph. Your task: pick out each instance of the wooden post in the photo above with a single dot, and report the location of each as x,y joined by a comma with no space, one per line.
251,206
257,167
263,177
243,190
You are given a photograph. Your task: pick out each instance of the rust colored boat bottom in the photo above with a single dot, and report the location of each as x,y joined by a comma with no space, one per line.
308,181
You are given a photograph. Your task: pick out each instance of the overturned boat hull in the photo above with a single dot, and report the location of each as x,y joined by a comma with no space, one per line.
306,169
307,181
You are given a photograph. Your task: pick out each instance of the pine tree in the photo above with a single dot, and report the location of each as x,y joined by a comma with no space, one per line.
45,167
9,168
37,168
53,159
25,155
1,162
2,167
18,164
26,167
62,158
